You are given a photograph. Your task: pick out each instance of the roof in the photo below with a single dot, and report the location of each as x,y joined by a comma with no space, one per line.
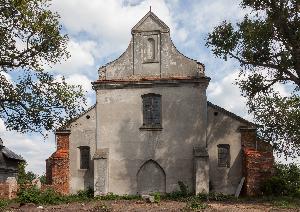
11,155
64,126
150,14
232,115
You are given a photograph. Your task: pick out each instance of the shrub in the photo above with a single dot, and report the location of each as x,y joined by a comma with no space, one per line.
183,188
285,182
86,194
156,197
4,203
196,205
29,195
181,194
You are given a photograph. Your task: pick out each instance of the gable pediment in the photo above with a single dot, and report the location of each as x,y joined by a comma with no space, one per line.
150,22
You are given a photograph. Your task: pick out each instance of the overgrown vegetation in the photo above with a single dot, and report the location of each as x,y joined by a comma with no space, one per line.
4,203
23,176
284,185
285,182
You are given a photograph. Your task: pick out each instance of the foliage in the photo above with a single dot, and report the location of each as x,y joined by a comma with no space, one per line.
86,194
32,99
195,204
181,194
34,195
157,197
285,182
183,188
112,196
214,197
23,176
43,179
4,203
266,45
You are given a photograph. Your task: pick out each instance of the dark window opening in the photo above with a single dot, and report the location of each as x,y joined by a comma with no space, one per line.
84,157
216,113
224,155
151,110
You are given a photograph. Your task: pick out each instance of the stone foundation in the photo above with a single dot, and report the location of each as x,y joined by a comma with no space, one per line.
57,166
9,188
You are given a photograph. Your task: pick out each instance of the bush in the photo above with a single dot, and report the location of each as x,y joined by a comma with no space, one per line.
4,203
285,182
196,205
156,197
29,195
86,194
181,194
34,195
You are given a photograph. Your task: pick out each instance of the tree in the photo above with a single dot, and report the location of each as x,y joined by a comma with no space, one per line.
32,99
23,176
266,43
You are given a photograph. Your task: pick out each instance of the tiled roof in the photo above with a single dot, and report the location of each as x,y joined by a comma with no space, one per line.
11,155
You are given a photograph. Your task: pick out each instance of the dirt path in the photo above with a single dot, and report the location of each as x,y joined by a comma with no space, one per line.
141,206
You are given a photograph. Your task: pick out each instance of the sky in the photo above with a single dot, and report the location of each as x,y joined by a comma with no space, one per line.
100,30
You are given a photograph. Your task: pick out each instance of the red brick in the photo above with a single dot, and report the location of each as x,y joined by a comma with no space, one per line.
57,166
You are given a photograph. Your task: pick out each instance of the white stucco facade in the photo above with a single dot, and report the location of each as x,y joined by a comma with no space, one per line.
127,158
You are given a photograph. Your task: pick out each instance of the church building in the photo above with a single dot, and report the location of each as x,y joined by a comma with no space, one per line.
152,127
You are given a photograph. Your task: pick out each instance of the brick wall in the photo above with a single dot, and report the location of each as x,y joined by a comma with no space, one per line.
258,161
9,188
57,166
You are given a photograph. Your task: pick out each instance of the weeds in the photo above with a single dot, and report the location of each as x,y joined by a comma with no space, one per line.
156,197
196,205
4,203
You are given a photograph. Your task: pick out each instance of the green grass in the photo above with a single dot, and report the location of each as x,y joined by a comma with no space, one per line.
193,202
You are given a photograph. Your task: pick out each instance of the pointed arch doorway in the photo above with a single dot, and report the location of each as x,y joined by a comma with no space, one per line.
151,178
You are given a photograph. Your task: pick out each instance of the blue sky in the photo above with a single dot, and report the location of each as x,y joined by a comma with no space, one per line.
99,31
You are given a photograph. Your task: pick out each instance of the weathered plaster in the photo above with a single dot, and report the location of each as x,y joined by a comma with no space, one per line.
223,129
82,134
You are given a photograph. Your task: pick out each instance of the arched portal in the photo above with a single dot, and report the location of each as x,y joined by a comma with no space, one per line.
151,178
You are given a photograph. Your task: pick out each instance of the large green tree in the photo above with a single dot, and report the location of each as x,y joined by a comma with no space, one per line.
32,99
266,43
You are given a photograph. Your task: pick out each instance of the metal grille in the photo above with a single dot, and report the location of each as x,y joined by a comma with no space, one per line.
151,110
223,155
84,157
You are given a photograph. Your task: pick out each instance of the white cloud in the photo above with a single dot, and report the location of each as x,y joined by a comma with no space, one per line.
78,79
2,126
35,150
107,22
81,58
226,94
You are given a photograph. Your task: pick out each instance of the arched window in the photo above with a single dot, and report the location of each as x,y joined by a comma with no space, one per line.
150,49
151,110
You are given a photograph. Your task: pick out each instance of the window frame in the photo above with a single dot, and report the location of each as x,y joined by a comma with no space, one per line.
221,163
152,125
81,165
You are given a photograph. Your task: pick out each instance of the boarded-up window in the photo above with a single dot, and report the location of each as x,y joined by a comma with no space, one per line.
151,110
223,155
84,157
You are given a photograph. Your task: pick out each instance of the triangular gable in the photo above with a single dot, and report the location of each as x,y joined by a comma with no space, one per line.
150,22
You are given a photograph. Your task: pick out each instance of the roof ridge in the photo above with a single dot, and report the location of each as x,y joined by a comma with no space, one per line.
231,114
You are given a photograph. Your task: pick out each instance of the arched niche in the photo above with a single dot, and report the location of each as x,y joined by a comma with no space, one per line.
151,178
150,49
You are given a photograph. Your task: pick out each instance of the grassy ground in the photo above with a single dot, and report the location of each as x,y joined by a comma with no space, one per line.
84,201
